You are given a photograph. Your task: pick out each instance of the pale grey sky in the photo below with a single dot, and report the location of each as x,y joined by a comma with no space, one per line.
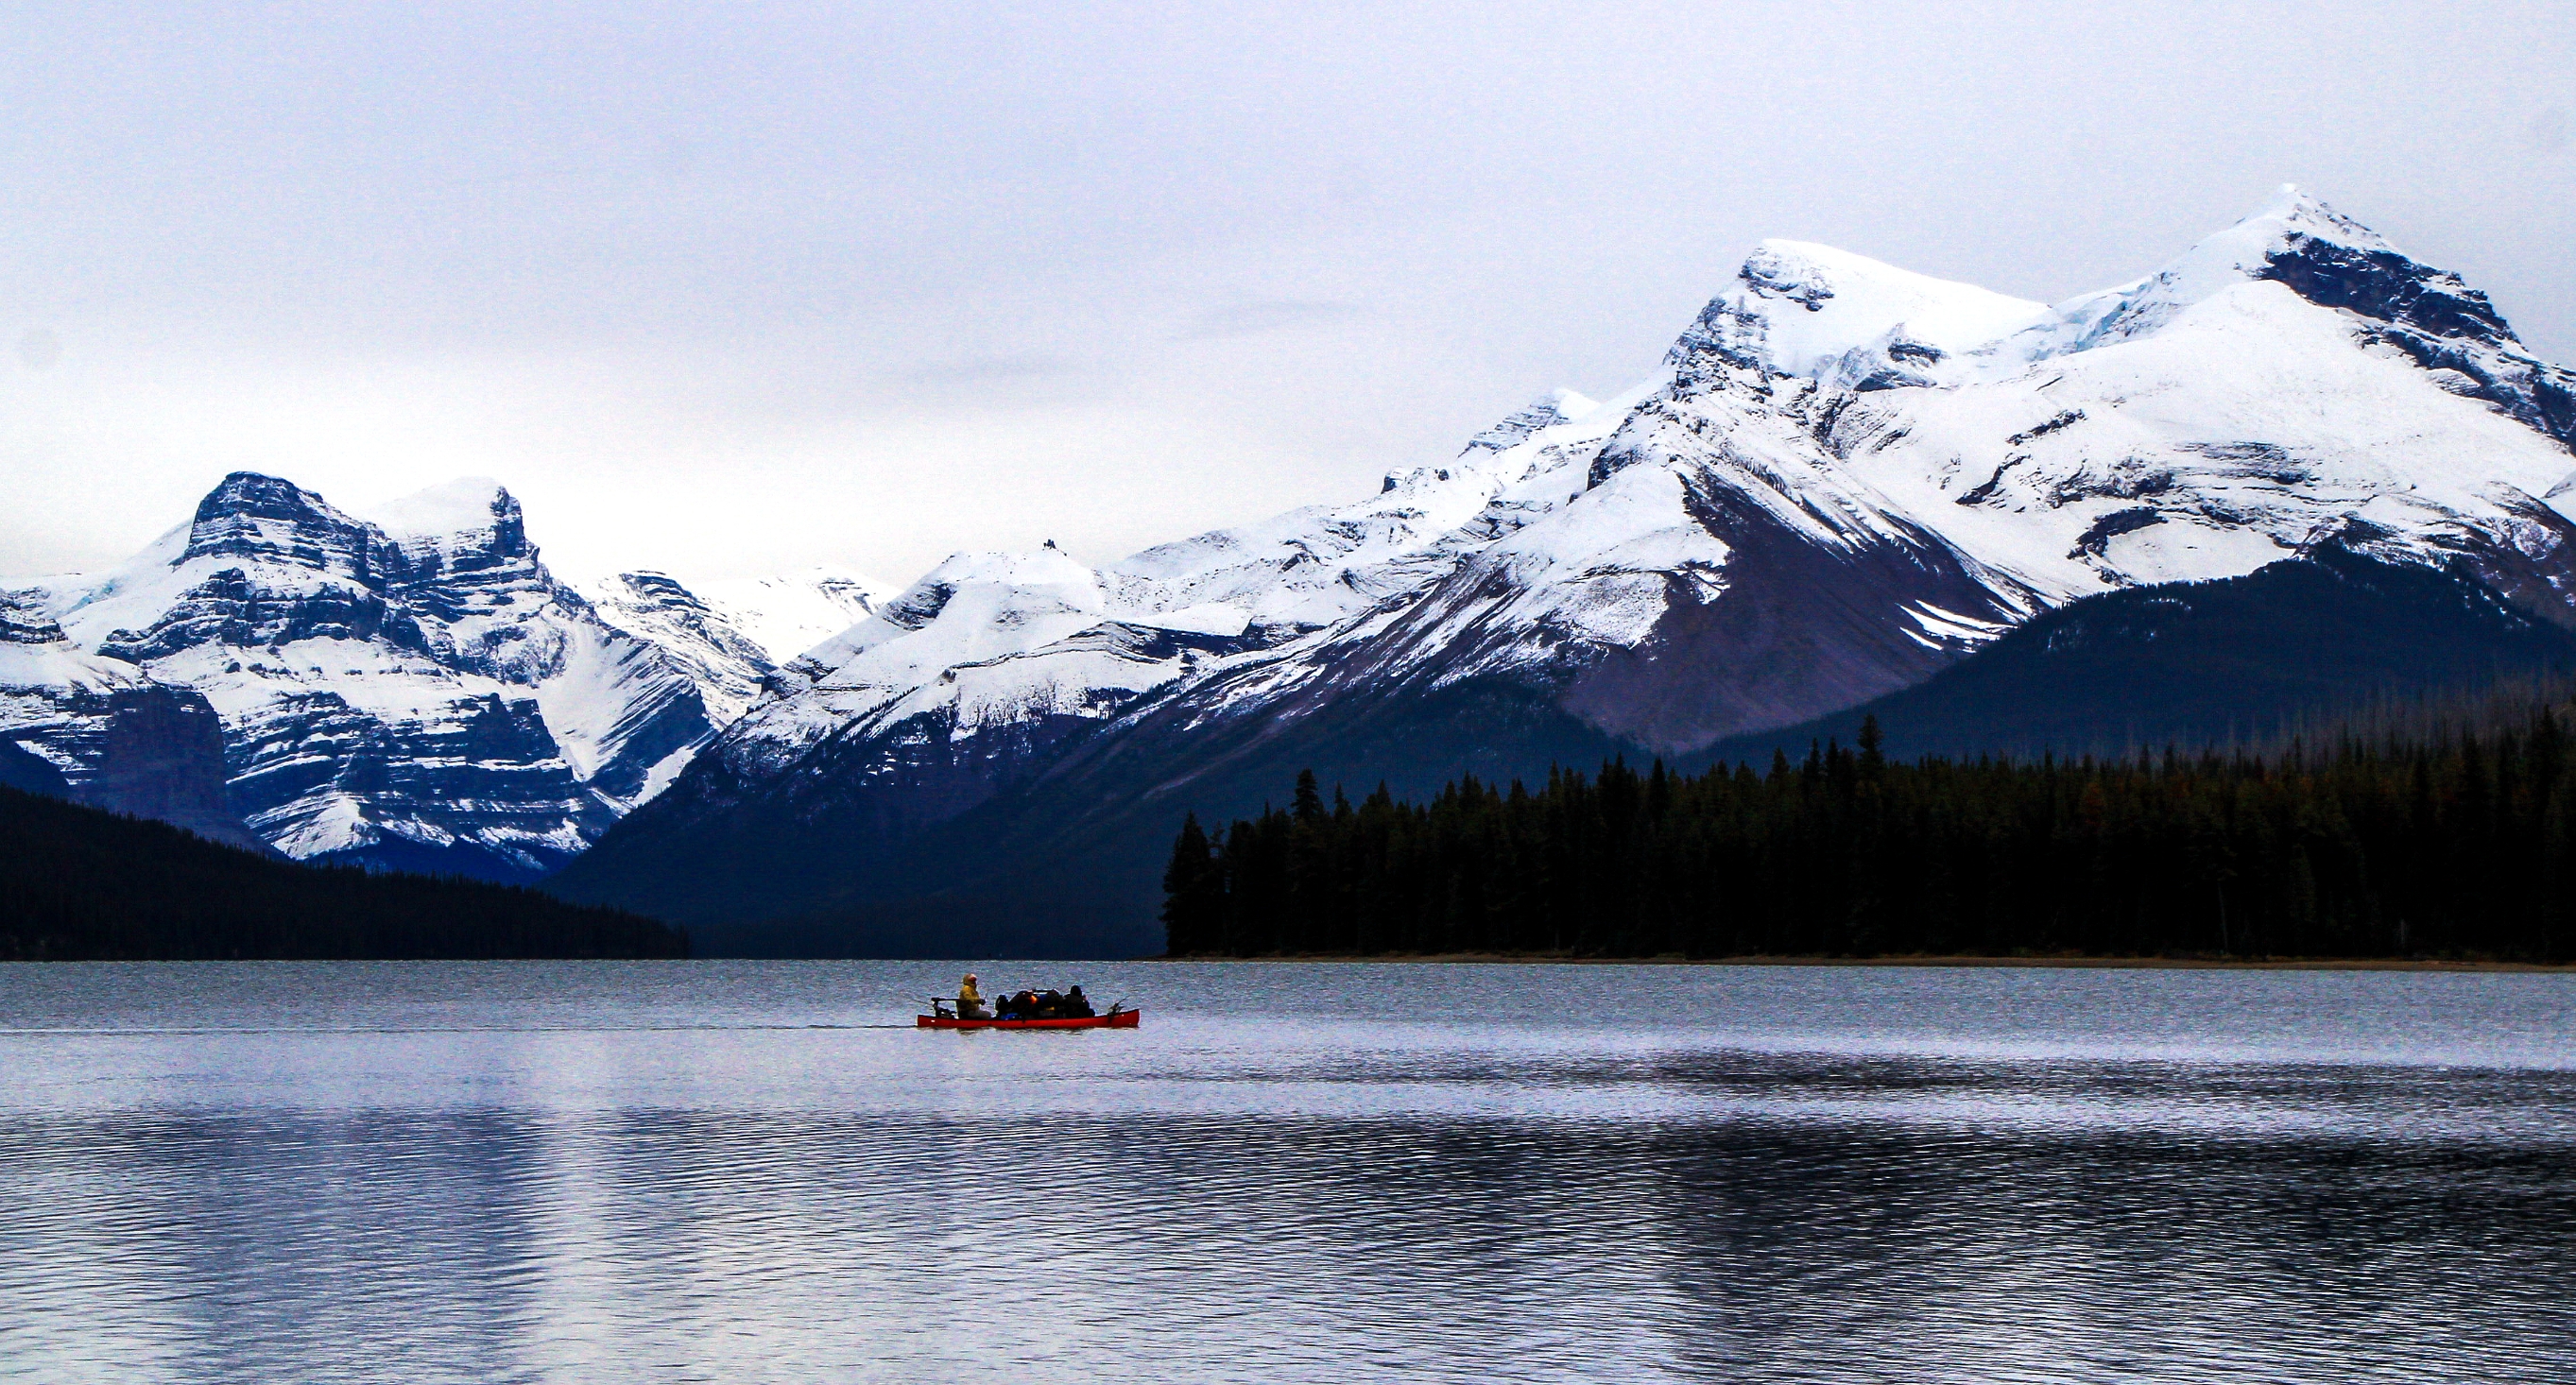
735,289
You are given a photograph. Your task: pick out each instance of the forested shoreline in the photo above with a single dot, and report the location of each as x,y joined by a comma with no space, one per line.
77,883
2449,842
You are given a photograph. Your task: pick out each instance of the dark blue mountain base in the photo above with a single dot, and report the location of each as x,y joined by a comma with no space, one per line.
78,882
2198,664
29,773
463,860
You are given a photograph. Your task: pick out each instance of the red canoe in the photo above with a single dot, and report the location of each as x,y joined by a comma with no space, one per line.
1121,1019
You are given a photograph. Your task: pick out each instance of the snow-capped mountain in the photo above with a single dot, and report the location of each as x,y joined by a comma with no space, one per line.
1877,470
989,662
1843,478
412,690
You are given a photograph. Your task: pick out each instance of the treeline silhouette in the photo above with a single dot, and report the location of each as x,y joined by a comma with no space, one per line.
78,883
2440,838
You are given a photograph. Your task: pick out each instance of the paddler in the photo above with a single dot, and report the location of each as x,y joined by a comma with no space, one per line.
970,1001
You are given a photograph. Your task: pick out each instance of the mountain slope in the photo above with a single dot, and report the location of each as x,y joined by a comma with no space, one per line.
27,772
2201,663
733,636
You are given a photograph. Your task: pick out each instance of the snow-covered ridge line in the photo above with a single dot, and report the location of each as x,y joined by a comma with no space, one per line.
1844,476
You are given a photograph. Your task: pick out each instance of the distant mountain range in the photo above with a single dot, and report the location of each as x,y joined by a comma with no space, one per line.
412,691
1844,481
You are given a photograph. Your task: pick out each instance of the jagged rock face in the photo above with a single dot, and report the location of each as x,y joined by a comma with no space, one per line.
261,519
2440,323
1547,411
415,690
480,783
1845,478
109,737
729,668
23,623
232,608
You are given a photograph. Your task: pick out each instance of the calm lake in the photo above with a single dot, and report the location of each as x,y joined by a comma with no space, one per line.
720,1171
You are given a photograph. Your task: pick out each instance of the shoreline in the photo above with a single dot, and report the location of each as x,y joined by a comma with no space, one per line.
2413,964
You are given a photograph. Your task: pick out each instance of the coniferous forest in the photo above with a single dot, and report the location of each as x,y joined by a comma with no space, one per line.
2460,842
76,882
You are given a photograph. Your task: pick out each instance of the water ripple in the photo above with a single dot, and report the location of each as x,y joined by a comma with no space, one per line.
553,1175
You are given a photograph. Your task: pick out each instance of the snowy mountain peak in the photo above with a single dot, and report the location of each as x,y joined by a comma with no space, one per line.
267,519
1555,407
466,553
1043,569
1801,309
2243,252
2297,241
1019,580
2248,249
419,691
2299,214
2336,262
972,607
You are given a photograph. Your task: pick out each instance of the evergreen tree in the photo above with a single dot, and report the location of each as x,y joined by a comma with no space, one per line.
1193,894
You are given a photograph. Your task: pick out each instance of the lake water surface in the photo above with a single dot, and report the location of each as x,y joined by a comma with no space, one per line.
717,1171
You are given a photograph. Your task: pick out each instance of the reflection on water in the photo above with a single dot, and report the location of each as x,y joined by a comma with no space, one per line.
577,1173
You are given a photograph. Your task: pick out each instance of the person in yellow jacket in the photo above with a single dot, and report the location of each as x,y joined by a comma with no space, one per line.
970,1001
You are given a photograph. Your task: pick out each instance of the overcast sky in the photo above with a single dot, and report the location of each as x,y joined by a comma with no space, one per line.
737,289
